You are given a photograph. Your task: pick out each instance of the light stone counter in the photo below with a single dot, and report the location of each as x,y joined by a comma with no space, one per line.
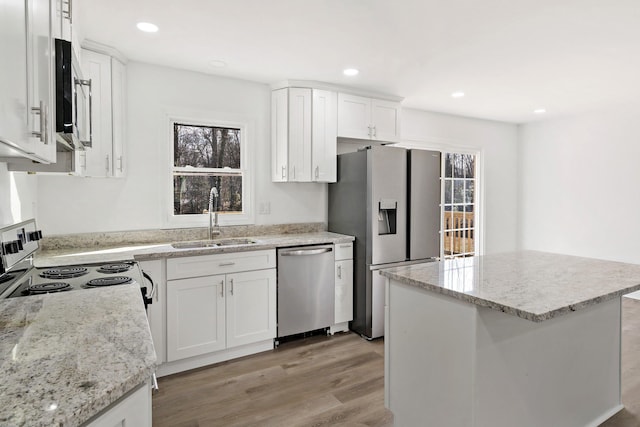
122,251
65,357
523,339
533,285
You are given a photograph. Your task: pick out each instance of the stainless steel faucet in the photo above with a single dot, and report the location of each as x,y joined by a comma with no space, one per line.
214,228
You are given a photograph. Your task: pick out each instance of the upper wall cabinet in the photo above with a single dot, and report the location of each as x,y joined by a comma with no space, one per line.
26,107
303,135
63,19
368,118
105,157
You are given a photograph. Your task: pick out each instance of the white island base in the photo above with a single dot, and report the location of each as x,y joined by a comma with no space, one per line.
450,363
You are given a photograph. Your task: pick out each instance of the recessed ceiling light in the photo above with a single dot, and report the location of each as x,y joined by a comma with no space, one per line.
147,27
350,72
539,111
217,63
458,94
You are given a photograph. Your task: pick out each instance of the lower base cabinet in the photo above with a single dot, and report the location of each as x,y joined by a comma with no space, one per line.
215,312
132,410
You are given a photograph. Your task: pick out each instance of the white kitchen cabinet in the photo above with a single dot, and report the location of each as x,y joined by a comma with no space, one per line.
291,135
62,19
324,134
131,410
343,283
105,157
26,98
304,135
195,316
209,312
251,307
368,118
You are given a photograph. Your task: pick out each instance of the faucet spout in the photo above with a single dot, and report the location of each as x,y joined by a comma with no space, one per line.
214,228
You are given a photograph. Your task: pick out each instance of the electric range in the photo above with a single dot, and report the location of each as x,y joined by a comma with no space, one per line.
19,278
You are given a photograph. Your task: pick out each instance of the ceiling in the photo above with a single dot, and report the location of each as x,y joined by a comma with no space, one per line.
509,57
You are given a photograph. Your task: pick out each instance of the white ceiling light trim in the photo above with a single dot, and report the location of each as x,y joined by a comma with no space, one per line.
350,72
147,27
539,111
457,94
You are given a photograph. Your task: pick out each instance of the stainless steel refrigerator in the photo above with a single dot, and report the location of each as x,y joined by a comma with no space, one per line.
389,199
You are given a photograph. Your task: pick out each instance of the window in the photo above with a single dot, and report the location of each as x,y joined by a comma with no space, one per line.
206,156
459,207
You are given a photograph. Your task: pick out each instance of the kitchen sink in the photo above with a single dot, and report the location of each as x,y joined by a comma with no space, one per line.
212,243
233,242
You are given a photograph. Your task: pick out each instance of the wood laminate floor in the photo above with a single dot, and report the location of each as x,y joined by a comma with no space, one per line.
326,381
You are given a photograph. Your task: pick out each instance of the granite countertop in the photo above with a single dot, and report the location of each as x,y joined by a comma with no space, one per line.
532,285
121,252
65,357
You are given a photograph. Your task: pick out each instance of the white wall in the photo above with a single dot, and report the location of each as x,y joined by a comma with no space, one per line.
17,196
139,200
579,183
498,147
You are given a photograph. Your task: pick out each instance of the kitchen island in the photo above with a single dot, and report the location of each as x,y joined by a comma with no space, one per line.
67,357
525,338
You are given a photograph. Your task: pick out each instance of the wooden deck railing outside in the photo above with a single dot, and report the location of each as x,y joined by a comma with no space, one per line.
458,235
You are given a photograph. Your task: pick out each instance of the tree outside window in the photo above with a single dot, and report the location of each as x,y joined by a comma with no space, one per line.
206,157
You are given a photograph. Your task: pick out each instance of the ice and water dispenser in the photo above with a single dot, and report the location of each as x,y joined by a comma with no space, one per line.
387,216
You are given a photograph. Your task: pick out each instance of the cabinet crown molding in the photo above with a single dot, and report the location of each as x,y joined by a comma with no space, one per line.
336,88
104,49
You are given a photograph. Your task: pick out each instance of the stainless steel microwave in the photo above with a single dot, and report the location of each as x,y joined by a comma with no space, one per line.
72,99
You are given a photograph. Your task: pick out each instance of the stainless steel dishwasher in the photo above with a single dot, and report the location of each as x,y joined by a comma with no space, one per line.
306,289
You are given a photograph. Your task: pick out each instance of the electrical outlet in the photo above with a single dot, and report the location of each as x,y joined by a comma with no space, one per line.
264,208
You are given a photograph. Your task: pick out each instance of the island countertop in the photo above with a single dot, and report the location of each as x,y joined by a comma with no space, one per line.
529,284
64,357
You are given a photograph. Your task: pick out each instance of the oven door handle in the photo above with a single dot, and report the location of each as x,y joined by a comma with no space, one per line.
149,297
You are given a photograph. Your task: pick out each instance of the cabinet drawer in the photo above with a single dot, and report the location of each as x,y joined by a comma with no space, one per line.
205,265
344,251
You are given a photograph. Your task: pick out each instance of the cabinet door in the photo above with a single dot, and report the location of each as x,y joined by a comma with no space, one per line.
195,316
133,410
157,310
251,307
299,135
40,84
354,116
279,134
385,116
13,84
324,136
344,291
118,103
97,67
62,20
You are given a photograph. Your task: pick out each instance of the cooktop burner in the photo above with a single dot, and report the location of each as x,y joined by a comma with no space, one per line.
45,288
115,268
110,281
64,272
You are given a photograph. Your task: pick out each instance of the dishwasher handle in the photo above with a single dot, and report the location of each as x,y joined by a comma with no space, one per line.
302,252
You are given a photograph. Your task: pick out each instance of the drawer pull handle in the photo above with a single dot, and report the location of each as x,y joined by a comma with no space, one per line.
231,289
339,272
226,264
222,288
345,246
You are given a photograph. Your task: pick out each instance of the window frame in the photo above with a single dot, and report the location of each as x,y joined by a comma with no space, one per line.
476,202
246,217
